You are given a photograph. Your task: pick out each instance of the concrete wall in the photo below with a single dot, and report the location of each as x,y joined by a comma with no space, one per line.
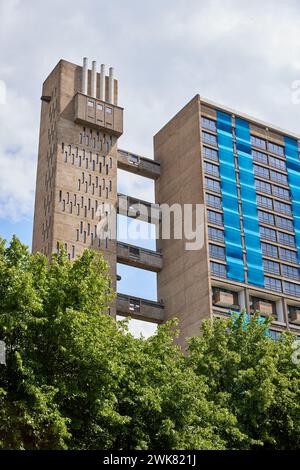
70,214
183,283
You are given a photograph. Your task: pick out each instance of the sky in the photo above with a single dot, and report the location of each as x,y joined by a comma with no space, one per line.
245,55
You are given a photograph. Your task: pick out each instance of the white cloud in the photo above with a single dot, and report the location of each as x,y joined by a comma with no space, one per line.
139,327
135,186
18,147
243,55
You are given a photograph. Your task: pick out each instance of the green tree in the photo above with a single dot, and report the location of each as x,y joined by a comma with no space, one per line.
253,376
76,378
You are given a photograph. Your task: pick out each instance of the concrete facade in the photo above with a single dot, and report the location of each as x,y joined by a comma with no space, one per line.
81,122
189,285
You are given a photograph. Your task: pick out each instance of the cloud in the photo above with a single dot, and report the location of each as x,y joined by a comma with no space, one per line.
135,186
243,55
18,146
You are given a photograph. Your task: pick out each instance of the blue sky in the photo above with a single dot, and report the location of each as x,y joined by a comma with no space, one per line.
243,55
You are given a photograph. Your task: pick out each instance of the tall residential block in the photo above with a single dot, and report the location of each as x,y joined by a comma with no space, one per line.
244,173
247,175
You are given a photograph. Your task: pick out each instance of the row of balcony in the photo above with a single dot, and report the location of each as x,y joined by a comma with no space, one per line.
229,300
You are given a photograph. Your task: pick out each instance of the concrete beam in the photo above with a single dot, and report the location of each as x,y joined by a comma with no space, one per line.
140,309
138,165
139,257
138,209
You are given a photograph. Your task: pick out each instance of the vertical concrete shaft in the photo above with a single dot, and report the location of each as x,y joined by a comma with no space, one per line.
102,83
111,86
84,87
94,79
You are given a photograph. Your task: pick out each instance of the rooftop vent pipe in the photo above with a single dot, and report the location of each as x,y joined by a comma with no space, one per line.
84,87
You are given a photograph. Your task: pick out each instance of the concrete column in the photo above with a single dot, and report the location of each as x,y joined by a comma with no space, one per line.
111,86
247,297
242,299
280,310
94,79
286,313
102,83
84,86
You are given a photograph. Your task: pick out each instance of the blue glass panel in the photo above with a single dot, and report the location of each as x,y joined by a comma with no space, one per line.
233,239
293,168
249,205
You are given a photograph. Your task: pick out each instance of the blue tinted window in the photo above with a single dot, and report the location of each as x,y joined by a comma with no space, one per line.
217,269
262,186
215,217
213,201
281,192
211,169
208,123
268,233
275,148
209,138
259,157
290,272
265,217
273,284
292,289
215,234
277,163
278,177
257,142
286,224
288,255
269,250
282,207
286,239
216,251
271,266
210,153
261,171
266,202
213,185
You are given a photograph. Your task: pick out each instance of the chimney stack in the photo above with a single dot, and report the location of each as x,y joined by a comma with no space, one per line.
102,83
94,79
111,86
84,87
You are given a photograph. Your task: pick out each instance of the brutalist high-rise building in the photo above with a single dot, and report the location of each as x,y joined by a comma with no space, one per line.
244,172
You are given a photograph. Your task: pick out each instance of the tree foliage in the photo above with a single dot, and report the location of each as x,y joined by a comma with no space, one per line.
77,379
253,376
